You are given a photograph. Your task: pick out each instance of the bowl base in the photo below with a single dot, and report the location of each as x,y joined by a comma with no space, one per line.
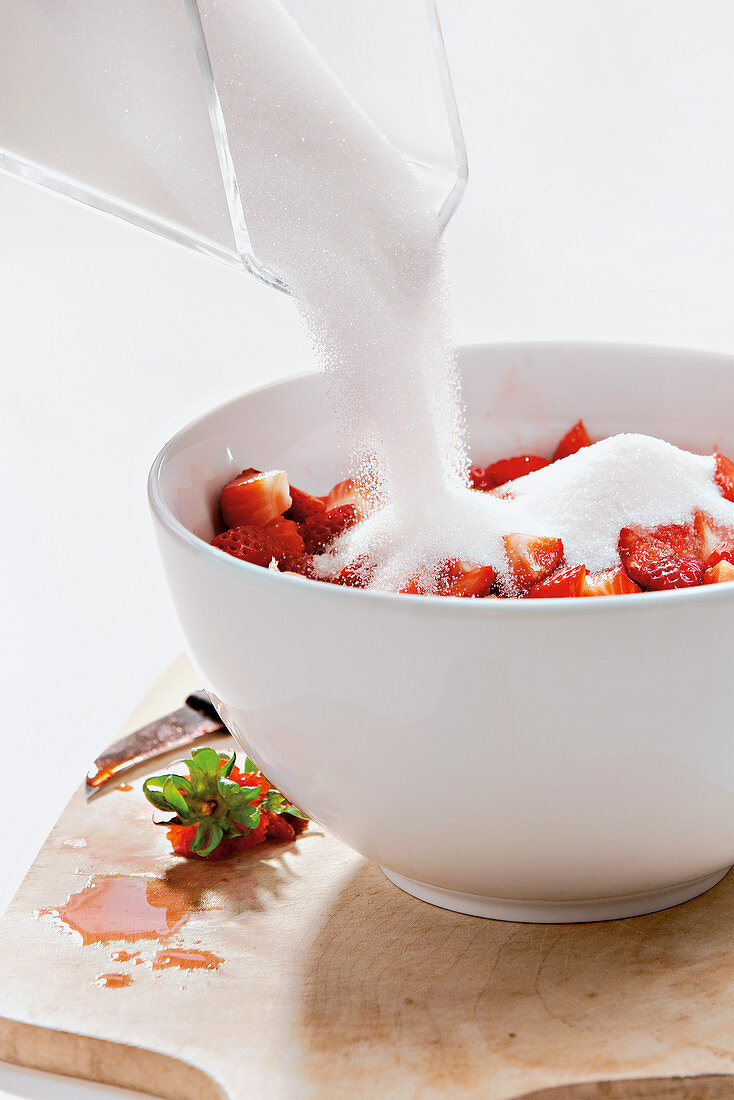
557,912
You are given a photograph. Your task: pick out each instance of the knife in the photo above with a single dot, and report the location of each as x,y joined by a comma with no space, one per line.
197,718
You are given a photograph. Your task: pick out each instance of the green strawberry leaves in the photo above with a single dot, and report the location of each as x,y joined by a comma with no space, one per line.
166,792
207,837
206,764
289,808
234,793
173,796
208,798
247,820
276,803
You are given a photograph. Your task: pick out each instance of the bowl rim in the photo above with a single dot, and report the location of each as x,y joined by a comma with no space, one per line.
453,605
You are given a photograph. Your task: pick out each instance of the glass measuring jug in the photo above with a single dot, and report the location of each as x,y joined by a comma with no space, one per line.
119,107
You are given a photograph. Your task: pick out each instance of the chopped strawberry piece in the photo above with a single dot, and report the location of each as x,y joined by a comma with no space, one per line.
478,478
298,824
638,548
416,586
507,469
677,538
350,491
609,582
319,531
708,535
254,498
645,545
180,837
303,505
285,533
357,574
673,572
469,581
278,827
650,563
719,573
724,476
253,836
670,562
250,779
249,543
676,573
574,439
531,559
723,552
301,564
563,582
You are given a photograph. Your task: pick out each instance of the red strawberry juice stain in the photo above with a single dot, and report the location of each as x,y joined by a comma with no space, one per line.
187,959
125,907
127,956
113,981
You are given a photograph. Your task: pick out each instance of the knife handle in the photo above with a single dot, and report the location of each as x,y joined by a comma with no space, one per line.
200,701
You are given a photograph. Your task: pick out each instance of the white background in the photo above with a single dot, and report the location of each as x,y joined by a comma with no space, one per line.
599,206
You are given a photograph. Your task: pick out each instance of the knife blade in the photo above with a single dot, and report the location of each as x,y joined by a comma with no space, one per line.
196,718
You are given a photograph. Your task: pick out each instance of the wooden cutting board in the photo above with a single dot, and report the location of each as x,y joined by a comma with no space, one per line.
335,984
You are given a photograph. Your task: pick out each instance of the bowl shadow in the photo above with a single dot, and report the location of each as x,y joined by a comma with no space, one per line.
404,999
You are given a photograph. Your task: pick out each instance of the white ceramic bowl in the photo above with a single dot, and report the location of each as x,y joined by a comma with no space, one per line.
529,760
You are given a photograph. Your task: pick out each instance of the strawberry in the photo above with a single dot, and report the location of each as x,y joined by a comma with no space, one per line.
574,439
563,582
665,573
183,837
285,533
708,535
303,505
283,826
696,539
637,548
453,578
478,480
724,476
609,582
651,563
682,539
350,491
248,543
507,469
218,809
254,498
300,564
418,585
458,578
531,559
357,574
723,552
719,573
674,572
319,531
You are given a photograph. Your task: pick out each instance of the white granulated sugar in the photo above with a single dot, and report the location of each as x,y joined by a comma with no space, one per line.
335,211
585,500
624,481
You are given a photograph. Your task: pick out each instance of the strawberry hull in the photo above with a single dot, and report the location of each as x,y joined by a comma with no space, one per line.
589,738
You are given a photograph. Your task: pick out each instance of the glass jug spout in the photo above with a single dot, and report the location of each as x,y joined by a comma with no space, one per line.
117,106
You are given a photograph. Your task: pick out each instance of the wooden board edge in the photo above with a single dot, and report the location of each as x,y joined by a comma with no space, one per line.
709,1086
105,1062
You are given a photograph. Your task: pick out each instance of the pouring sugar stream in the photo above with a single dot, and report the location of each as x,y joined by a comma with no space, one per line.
335,210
